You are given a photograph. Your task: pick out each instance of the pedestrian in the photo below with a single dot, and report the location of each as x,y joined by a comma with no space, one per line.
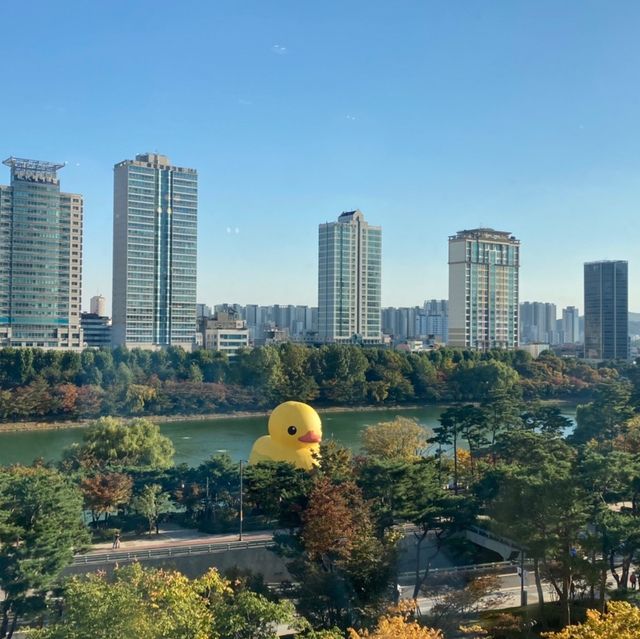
634,580
397,594
116,540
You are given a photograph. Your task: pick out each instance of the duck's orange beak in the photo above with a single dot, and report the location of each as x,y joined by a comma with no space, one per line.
311,438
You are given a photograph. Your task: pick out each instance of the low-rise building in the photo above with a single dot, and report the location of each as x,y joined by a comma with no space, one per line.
224,332
96,329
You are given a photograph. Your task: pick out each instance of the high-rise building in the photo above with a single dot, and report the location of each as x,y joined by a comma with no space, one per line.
571,325
40,258
154,253
606,310
349,280
483,289
98,305
538,323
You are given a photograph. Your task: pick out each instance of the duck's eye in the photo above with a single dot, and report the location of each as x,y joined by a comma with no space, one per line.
292,430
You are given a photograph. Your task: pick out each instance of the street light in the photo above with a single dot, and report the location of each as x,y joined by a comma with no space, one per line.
241,498
523,591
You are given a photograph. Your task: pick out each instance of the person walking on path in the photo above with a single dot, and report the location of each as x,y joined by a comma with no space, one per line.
634,580
116,540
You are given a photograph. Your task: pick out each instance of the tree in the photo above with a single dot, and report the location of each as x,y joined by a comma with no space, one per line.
400,439
535,498
545,419
152,502
40,530
342,568
159,604
396,626
104,493
139,602
455,599
622,621
111,443
278,490
246,615
340,373
449,433
604,418
297,383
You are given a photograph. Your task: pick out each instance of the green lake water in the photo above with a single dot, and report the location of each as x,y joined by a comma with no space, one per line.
195,441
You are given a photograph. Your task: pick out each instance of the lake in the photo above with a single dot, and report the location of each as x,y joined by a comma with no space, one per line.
195,441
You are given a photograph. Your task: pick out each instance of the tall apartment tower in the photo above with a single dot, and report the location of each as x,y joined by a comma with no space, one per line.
154,253
483,289
40,258
571,325
349,280
606,310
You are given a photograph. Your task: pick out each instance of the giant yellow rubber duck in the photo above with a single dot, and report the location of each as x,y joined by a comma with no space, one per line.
295,432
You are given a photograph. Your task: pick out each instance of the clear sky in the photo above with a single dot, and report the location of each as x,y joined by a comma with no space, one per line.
429,116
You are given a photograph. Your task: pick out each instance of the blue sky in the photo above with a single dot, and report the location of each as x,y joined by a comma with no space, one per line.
430,117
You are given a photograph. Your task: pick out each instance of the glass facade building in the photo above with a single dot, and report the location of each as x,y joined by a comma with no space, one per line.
41,258
154,253
483,289
606,310
349,280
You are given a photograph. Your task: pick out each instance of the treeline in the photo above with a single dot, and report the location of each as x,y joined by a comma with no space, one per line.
41,384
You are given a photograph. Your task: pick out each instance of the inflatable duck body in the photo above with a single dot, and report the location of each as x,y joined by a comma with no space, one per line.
295,432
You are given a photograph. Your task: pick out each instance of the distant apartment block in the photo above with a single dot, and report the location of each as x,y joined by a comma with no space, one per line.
96,329
290,322
40,258
606,310
154,253
427,322
538,323
349,280
483,289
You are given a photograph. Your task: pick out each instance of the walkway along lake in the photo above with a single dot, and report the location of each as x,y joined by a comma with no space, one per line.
196,441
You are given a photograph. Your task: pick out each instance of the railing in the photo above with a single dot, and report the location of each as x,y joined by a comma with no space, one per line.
489,535
167,551
495,565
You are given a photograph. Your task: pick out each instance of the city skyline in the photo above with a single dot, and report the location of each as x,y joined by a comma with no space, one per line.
431,118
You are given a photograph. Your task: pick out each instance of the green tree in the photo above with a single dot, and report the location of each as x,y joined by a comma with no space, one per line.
111,443
157,604
449,433
297,381
277,490
604,418
535,499
152,502
40,530
340,373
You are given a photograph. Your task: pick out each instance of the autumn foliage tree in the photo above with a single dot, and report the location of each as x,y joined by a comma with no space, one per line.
396,626
342,566
104,493
401,439
622,621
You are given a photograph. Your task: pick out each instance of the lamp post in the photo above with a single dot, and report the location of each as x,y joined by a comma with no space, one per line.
241,498
523,592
